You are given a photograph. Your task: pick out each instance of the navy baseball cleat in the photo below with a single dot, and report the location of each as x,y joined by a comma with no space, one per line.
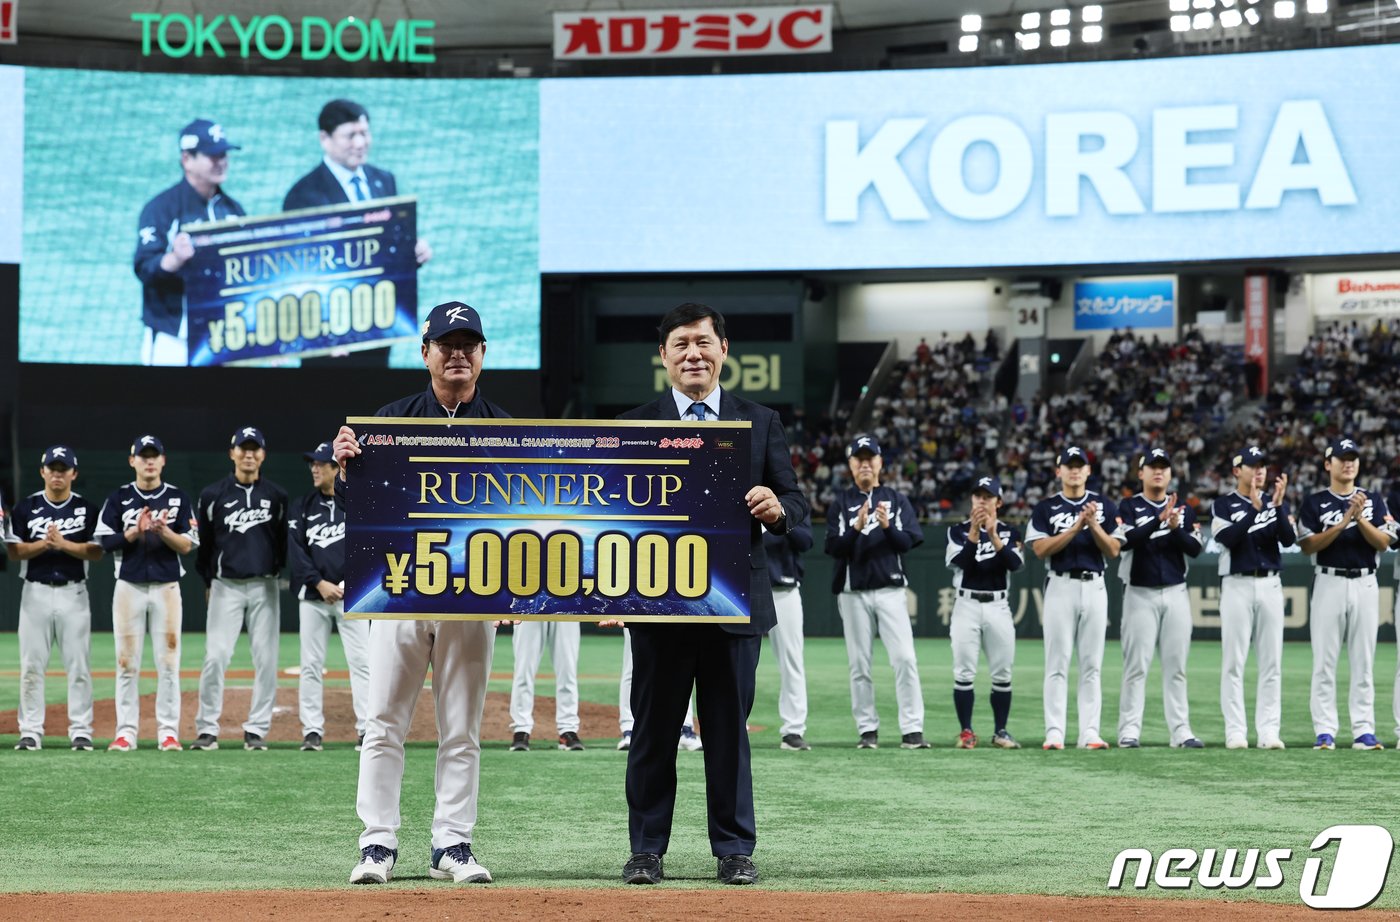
1004,740
206,741
312,742
457,863
1129,743
870,739
569,741
520,742
253,742
1366,741
82,744
794,742
27,742
625,743
376,865
1191,743
1325,741
642,868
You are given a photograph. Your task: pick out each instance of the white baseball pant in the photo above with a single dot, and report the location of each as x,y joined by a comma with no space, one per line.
786,638
316,617
624,692
164,349
528,642
1155,619
400,653
230,601
1344,610
1251,609
134,607
1075,621
982,627
48,614
1395,703
861,612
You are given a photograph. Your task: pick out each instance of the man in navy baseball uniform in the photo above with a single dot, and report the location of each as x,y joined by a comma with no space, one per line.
869,529
147,526
163,247
982,552
785,572
50,532
316,554
1157,536
344,175
1250,527
1344,530
401,652
1069,530
242,546
718,661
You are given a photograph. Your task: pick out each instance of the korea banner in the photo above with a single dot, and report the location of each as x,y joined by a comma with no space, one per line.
1111,304
1355,294
693,33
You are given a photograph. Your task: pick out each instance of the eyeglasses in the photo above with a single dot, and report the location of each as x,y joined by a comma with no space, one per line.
447,348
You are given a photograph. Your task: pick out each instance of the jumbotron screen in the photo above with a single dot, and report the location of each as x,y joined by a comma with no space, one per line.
224,220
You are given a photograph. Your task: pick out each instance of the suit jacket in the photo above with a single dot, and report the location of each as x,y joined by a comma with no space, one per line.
772,468
320,187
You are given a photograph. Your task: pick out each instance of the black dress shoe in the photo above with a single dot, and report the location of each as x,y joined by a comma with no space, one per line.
642,869
737,869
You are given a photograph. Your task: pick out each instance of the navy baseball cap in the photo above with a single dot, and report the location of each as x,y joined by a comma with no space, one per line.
245,435
202,136
1252,456
450,317
863,443
144,442
59,454
1343,448
322,453
1157,457
988,485
1072,455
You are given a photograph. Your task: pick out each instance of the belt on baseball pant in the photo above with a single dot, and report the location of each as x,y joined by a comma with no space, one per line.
1084,575
57,583
982,596
1347,574
1256,574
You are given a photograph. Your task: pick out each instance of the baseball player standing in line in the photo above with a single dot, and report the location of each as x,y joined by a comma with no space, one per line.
1395,702
49,533
869,529
689,740
1250,528
785,572
316,552
1344,530
1068,528
147,525
242,546
459,652
1157,536
528,642
982,552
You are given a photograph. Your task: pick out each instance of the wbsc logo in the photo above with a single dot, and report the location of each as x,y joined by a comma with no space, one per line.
1359,868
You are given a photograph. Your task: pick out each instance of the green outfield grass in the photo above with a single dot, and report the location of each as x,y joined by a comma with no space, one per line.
833,818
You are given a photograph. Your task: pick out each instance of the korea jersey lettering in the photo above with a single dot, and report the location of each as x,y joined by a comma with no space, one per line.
1154,555
1057,514
147,559
1349,551
980,567
316,543
1250,538
242,530
29,521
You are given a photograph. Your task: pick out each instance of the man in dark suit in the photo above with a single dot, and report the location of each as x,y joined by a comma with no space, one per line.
718,659
344,176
